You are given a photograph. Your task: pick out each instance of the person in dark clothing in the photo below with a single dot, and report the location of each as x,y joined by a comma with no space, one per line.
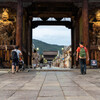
16,53
41,62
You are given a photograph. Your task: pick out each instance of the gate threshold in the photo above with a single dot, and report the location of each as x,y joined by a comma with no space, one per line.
51,69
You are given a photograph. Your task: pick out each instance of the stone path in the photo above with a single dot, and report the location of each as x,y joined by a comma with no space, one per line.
50,85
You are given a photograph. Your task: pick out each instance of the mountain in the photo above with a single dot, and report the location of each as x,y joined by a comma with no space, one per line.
45,46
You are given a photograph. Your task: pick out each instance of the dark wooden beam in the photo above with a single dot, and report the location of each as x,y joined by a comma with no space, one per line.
8,5
85,30
30,26
54,5
51,14
77,39
19,26
85,23
28,40
77,1
64,23
27,24
44,19
72,46
58,19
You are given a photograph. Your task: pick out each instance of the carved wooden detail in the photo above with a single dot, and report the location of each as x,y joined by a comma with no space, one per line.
7,30
7,37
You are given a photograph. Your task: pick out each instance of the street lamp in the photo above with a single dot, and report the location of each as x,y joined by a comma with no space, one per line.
62,49
37,49
64,56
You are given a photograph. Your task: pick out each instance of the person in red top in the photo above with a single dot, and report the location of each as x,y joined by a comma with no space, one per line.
82,54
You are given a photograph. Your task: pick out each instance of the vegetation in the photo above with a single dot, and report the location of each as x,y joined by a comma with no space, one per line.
46,47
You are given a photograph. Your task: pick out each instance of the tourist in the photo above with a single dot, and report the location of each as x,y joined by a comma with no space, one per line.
69,59
15,59
41,62
35,57
82,54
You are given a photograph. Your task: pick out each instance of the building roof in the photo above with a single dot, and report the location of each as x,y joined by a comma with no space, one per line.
50,55
50,52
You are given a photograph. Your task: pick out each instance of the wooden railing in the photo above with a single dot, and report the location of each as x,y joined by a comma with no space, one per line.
5,55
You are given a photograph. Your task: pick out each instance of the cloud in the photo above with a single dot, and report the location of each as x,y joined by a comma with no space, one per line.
53,34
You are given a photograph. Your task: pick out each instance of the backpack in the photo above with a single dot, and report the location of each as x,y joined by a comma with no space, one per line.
14,56
82,52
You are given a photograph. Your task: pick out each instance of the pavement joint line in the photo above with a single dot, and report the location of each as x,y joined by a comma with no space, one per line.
51,70
81,87
2,74
60,86
41,86
20,87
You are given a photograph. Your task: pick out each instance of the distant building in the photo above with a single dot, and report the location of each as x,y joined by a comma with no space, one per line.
50,55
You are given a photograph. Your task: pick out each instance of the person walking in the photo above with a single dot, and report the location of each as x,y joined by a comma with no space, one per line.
16,53
82,54
35,57
41,61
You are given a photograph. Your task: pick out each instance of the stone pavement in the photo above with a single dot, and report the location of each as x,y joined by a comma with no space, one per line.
50,85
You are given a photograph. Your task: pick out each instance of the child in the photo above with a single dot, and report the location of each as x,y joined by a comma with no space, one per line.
21,63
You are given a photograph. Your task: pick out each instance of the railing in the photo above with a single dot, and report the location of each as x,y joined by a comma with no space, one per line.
5,55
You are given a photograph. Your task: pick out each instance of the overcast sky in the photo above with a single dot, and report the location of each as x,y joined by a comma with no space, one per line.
59,35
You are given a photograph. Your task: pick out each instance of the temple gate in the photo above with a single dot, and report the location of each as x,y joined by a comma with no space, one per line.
16,24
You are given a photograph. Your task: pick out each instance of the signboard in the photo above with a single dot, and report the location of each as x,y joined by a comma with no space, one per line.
62,58
93,62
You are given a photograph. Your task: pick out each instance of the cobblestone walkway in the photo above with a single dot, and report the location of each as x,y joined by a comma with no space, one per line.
58,85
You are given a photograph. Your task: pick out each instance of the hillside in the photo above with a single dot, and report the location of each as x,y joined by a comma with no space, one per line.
45,46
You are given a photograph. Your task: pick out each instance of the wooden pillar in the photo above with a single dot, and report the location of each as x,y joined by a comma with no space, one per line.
19,26
77,38
72,45
27,24
30,41
31,46
77,33
85,24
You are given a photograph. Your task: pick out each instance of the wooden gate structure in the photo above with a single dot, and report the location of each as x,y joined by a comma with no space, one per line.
84,24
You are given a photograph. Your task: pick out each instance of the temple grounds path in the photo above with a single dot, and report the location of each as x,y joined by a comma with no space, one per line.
50,85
